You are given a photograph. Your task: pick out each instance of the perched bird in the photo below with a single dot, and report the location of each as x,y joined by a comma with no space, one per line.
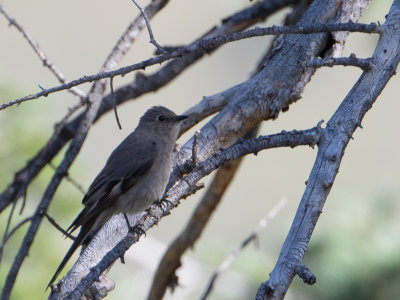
135,175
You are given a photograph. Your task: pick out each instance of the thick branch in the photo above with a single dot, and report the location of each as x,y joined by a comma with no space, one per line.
165,275
337,135
274,88
153,82
289,139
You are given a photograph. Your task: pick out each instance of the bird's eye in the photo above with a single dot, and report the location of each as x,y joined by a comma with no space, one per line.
161,118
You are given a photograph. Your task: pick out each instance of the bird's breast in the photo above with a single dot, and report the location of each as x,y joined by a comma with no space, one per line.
148,189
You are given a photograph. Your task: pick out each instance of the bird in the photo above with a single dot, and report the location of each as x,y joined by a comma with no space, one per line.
134,176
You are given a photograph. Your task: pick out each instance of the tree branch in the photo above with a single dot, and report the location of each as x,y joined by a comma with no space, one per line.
204,46
260,98
165,275
285,139
337,135
43,57
352,60
146,19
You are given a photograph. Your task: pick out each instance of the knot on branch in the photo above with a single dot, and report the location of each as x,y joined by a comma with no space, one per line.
266,289
304,273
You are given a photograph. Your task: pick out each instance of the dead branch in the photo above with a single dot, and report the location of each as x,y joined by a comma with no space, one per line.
337,134
352,60
43,57
203,46
289,139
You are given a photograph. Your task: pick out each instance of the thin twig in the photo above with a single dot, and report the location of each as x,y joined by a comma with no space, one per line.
58,227
235,253
203,46
352,60
8,225
114,103
45,60
152,40
22,203
70,180
7,237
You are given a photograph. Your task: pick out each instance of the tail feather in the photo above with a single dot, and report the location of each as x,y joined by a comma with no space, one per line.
78,241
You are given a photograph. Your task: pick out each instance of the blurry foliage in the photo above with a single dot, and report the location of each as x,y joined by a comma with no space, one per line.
357,256
22,134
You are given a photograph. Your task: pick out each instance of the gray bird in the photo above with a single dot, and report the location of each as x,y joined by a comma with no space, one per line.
135,175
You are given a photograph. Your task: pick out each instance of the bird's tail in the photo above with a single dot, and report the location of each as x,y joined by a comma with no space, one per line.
77,242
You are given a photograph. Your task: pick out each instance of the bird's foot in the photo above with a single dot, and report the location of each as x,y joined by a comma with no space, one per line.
138,229
135,229
149,212
163,204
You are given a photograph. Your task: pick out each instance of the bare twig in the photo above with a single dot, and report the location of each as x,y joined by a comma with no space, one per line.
8,225
304,273
235,253
352,60
70,180
35,46
114,103
55,224
7,236
202,46
152,40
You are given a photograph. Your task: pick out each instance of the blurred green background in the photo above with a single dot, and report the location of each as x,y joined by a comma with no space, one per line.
355,249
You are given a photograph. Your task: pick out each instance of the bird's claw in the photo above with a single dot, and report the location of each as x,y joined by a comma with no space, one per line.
138,230
135,229
163,204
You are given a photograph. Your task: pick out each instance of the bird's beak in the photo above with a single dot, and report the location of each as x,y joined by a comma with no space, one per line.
180,118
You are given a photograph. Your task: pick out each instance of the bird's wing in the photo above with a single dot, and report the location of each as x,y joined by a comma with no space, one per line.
125,167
